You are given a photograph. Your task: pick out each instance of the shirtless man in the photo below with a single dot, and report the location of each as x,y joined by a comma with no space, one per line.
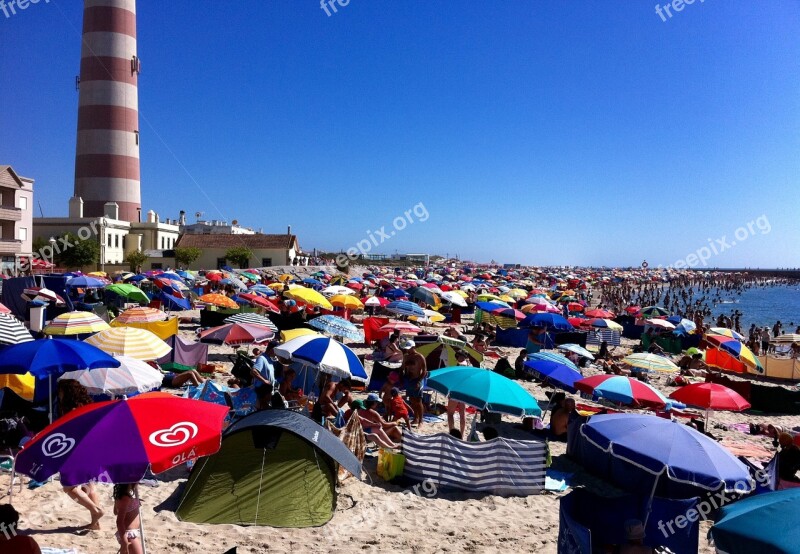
416,371
559,422
333,396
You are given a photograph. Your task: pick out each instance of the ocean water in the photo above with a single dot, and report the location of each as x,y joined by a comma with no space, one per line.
765,306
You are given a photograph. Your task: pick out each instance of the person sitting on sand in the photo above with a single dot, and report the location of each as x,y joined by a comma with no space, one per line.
559,421
391,353
173,380
126,508
71,396
788,462
10,538
519,364
332,397
634,533
374,425
289,392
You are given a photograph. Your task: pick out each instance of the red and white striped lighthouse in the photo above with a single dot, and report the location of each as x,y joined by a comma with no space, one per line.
107,152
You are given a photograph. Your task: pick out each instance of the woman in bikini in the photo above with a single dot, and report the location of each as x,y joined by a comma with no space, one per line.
126,508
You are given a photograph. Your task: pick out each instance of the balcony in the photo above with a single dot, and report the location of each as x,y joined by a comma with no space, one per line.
10,213
10,246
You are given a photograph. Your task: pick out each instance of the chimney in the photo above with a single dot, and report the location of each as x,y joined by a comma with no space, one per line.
76,207
289,230
182,219
151,216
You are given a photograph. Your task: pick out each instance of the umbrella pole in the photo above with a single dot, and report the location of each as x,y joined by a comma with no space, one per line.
141,517
50,394
652,496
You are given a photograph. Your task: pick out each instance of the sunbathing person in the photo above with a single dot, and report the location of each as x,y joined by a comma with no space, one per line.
373,420
173,380
391,353
373,427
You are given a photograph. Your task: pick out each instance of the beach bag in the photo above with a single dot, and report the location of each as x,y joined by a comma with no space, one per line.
390,464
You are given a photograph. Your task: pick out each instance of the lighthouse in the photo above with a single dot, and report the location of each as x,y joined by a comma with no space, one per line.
107,149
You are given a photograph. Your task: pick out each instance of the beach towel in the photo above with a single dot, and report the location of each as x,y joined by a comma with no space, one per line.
353,438
749,450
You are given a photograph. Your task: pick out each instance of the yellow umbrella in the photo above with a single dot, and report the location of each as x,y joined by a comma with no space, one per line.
507,298
276,286
286,277
346,301
430,317
130,341
517,294
286,336
489,297
75,323
22,385
461,293
219,300
98,274
309,296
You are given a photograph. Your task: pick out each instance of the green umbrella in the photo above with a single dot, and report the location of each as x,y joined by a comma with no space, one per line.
484,389
131,292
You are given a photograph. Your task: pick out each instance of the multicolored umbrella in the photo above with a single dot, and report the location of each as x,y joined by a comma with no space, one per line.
376,301
324,354
75,323
711,396
403,326
484,389
237,333
654,311
599,323
442,353
141,314
736,349
404,307
42,294
218,300
651,362
130,341
259,302
725,332
623,390
337,326
12,331
131,292
131,377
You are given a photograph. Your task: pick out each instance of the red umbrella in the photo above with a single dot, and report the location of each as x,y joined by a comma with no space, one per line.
260,301
401,326
621,389
603,314
237,333
510,313
575,307
354,285
711,396
633,309
578,321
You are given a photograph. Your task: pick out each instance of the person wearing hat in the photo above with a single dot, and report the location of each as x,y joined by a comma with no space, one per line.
634,533
379,430
416,371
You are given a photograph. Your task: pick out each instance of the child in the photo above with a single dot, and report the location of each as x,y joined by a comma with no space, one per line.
399,408
386,393
126,508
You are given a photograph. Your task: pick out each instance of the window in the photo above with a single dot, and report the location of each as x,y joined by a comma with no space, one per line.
23,233
23,203
266,262
116,241
156,265
221,262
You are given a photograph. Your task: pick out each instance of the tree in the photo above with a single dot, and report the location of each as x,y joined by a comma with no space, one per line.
239,255
74,252
186,255
135,259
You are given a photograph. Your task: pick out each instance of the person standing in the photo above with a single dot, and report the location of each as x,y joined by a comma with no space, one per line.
263,372
416,371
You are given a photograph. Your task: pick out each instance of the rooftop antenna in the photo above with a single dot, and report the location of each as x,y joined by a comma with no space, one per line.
41,212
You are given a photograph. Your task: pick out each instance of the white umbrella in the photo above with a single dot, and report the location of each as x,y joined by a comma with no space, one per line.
337,289
131,377
454,298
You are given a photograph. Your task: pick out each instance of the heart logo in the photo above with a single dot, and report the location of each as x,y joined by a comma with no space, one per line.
57,445
178,434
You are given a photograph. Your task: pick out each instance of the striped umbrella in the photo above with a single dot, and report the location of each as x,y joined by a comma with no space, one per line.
725,332
576,349
42,294
219,300
262,289
404,307
337,326
12,331
130,341
131,377
250,317
75,323
621,389
237,333
402,326
651,362
324,354
654,311
142,314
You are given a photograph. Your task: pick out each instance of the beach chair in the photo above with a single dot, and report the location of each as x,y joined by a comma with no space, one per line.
13,436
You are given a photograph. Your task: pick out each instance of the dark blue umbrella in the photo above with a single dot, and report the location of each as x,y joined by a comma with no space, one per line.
394,294
135,278
556,369
762,523
490,306
551,322
173,303
312,282
86,281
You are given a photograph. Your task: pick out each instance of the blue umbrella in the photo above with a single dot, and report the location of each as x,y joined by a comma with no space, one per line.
556,369
404,307
490,306
262,289
337,326
763,523
136,278
313,282
173,303
551,322
484,389
394,294
86,281
172,276
186,275
324,354
662,447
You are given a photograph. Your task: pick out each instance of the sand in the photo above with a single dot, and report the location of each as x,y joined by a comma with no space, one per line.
371,515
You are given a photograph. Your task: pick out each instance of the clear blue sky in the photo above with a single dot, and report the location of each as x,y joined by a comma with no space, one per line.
535,132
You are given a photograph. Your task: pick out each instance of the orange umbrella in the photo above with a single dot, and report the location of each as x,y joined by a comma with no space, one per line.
219,300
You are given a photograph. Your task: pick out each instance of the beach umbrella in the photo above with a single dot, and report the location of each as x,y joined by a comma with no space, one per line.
788,338
249,317
119,440
310,297
711,396
576,349
509,313
12,331
4,309
141,314
665,448
75,323
346,302
599,323
442,352
324,354
597,312
764,523
489,307
262,289
42,294
234,281
237,333
259,302
23,386
426,295
685,326
218,300
130,341
395,294
736,349
403,326
431,316
87,282
484,389
290,334
337,290
376,302
725,332
653,311
651,362
622,390
554,369
404,307
551,322
337,326
131,292
660,323
167,286
131,377
454,298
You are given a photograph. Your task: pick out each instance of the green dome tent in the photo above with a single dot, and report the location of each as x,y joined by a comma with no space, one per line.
275,468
